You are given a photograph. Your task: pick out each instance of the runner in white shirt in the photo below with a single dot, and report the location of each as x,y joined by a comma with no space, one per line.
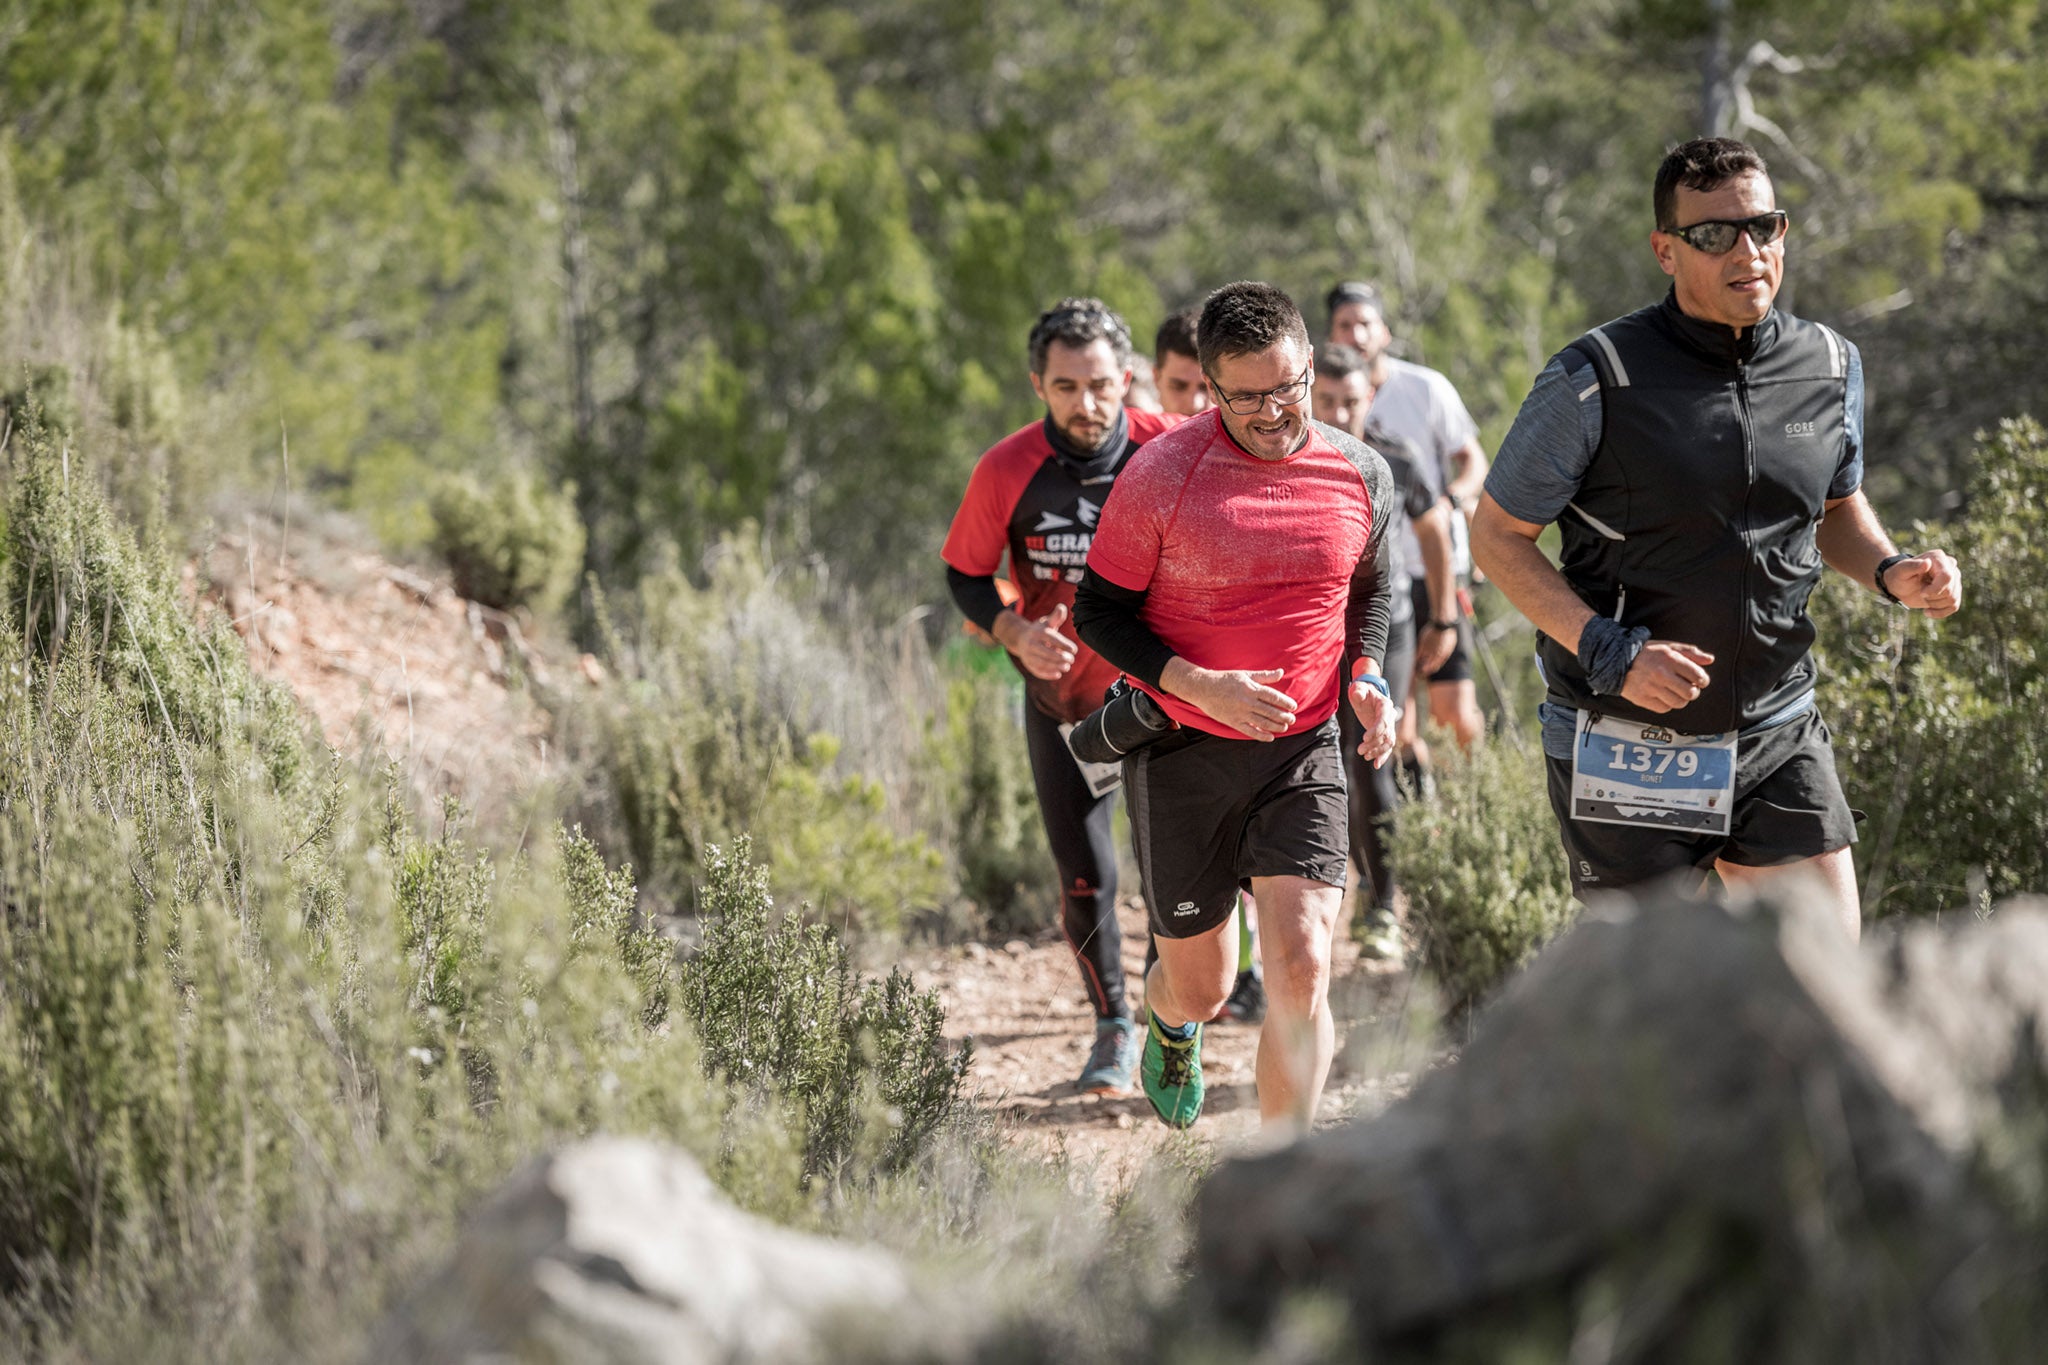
1420,405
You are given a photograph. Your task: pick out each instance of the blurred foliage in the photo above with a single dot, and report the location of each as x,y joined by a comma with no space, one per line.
511,542
1484,873
882,788
728,261
263,1035
1937,724
998,831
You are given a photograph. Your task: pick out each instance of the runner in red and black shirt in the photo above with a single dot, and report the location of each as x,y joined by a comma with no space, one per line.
1035,496
1241,576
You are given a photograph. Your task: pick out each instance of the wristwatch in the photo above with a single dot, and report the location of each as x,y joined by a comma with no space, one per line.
1884,566
1451,624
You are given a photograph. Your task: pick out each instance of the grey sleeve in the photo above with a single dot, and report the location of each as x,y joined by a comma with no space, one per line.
1369,608
1539,465
1849,476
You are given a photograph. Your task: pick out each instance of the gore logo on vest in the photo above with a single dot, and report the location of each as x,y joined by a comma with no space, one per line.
1799,428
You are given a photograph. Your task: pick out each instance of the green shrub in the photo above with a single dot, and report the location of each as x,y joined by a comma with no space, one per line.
741,712
513,541
1937,724
262,1039
780,1010
1004,867
1483,869
39,394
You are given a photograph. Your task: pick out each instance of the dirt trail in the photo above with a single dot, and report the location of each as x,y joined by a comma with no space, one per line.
453,692
1021,1003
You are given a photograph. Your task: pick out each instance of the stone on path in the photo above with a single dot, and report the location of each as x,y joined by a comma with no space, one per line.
1687,1134
622,1251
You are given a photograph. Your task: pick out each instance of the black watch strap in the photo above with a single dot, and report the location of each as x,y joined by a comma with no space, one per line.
1884,566
1451,624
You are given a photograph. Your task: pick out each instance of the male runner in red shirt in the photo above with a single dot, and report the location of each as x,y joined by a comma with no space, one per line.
1240,575
1036,495
1184,389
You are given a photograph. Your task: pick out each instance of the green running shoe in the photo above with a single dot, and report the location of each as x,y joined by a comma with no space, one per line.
1171,1070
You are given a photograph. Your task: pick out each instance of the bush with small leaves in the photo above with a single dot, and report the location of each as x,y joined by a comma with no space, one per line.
779,1009
1483,869
741,712
1937,724
1005,869
512,541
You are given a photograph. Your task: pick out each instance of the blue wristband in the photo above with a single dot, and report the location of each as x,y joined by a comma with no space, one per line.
1375,681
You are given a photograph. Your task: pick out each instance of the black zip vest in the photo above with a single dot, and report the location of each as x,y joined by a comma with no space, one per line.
1697,515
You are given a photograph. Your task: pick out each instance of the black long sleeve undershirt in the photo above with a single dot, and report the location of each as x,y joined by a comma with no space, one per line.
1107,620
976,596
1369,610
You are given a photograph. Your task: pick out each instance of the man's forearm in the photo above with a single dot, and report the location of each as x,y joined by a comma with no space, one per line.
1851,541
1506,549
1108,620
977,596
1469,465
1433,533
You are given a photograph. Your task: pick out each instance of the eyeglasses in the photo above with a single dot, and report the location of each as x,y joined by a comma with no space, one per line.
1718,236
1287,395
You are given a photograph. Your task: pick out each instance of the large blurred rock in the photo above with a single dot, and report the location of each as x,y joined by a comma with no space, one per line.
622,1251
1685,1134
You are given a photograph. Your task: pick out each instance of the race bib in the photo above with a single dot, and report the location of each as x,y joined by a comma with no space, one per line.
1102,778
1629,772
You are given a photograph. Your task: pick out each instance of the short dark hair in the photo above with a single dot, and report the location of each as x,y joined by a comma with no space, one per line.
1176,335
1705,163
1338,361
1244,319
1353,291
1079,322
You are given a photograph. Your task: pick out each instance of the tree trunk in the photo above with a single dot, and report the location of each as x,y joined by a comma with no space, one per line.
1717,94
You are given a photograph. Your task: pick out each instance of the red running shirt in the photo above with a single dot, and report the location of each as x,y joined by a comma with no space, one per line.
1245,563
1022,501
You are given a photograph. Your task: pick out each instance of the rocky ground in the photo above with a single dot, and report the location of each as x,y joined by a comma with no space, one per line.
376,651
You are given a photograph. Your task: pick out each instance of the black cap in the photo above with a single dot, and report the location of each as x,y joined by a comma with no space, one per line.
1354,291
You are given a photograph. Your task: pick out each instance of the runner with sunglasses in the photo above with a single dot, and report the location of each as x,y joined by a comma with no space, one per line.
1702,458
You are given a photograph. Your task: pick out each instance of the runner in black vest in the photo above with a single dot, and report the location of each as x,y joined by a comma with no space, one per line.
1702,458
1035,496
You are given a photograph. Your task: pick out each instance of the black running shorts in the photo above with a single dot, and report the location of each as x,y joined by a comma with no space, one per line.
1208,814
1458,667
1788,807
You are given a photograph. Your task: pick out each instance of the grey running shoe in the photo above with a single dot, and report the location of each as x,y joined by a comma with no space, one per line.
1113,1061
1379,937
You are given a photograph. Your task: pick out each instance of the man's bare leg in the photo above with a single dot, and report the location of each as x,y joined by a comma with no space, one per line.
1456,704
1408,730
1836,871
1193,976
1297,918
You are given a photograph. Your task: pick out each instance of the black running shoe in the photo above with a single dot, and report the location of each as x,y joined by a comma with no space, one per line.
1247,1002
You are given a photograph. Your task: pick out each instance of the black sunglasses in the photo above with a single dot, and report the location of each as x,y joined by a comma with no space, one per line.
1718,235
